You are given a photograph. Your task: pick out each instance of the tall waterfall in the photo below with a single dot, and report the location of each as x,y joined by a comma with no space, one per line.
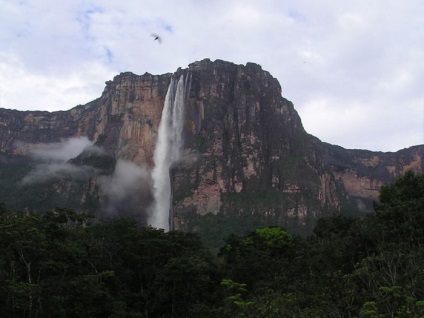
167,152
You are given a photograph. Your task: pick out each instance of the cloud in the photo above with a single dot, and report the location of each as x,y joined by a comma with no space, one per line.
126,178
127,192
52,161
46,92
357,53
60,151
44,172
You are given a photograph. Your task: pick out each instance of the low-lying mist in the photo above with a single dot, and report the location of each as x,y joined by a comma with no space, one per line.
127,192
123,190
52,161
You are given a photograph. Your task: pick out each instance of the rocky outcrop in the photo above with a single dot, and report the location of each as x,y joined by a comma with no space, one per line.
125,119
246,154
364,172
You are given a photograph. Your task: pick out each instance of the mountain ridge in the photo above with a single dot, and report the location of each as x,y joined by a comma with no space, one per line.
246,151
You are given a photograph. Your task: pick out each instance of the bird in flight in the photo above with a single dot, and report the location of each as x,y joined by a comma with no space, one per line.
157,38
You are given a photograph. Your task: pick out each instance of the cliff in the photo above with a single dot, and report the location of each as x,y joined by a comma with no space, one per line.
364,172
247,154
247,159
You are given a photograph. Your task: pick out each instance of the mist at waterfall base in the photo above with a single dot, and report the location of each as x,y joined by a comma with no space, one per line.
126,192
131,191
167,152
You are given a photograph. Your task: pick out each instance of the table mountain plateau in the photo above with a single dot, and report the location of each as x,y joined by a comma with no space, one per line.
246,161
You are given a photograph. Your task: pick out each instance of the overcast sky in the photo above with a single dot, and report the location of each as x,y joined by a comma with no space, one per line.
353,69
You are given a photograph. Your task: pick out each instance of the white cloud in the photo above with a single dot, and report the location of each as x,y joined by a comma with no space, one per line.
23,90
125,180
346,53
52,161
60,151
127,191
44,172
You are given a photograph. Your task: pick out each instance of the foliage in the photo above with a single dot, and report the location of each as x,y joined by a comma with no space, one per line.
214,228
400,211
368,267
64,264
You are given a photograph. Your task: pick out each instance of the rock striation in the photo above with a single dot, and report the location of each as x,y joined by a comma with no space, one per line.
246,153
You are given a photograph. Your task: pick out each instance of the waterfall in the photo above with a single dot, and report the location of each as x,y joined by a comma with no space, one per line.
167,152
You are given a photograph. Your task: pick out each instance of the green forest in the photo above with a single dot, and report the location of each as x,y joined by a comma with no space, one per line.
64,264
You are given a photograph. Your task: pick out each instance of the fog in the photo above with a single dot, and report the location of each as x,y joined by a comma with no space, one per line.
127,192
51,160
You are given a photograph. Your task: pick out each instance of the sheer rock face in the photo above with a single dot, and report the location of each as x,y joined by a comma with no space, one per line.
364,172
126,118
246,153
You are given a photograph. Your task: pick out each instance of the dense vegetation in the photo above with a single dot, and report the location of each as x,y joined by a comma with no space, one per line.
63,264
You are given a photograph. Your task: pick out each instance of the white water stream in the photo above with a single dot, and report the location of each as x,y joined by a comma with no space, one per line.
167,152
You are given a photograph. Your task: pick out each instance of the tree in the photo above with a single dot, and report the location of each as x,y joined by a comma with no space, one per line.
23,244
400,212
392,276
264,258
